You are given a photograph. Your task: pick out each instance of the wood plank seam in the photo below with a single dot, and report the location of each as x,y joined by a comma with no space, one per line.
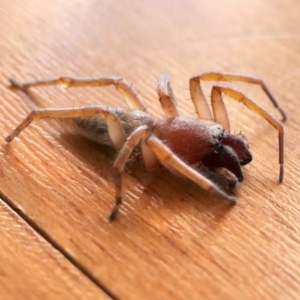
57,247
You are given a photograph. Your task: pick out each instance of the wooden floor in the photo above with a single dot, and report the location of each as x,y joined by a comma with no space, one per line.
171,240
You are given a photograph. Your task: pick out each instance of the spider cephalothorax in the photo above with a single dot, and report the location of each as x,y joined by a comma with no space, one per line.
184,145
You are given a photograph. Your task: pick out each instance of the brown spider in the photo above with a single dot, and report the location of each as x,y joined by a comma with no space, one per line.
184,145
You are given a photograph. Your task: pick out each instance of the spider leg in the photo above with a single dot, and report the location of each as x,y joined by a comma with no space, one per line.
115,129
196,89
122,86
173,162
202,109
120,162
238,96
166,96
225,178
231,178
219,110
199,100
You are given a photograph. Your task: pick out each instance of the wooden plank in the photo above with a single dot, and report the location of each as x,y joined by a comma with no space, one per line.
31,269
170,237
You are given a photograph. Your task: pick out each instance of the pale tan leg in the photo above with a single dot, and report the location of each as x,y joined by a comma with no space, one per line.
115,129
120,162
199,99
129,94
169,159
219,110
166,96
238,96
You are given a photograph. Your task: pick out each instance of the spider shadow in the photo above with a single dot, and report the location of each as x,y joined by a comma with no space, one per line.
180,193
160,189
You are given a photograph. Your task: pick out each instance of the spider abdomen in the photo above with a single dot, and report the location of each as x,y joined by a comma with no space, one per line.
95,127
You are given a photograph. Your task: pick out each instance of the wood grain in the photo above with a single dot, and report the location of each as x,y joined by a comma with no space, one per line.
171,240
30,268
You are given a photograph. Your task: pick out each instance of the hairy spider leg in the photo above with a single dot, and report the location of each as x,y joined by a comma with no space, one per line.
198,97
122,86
251,104
166,96
115,129
219,110
118,168
199,100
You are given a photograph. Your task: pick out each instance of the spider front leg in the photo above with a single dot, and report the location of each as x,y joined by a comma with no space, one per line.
115,129
219,110
202,109
240,97
200,101
122,86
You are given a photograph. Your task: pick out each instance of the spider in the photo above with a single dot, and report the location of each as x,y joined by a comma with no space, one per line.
184,145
